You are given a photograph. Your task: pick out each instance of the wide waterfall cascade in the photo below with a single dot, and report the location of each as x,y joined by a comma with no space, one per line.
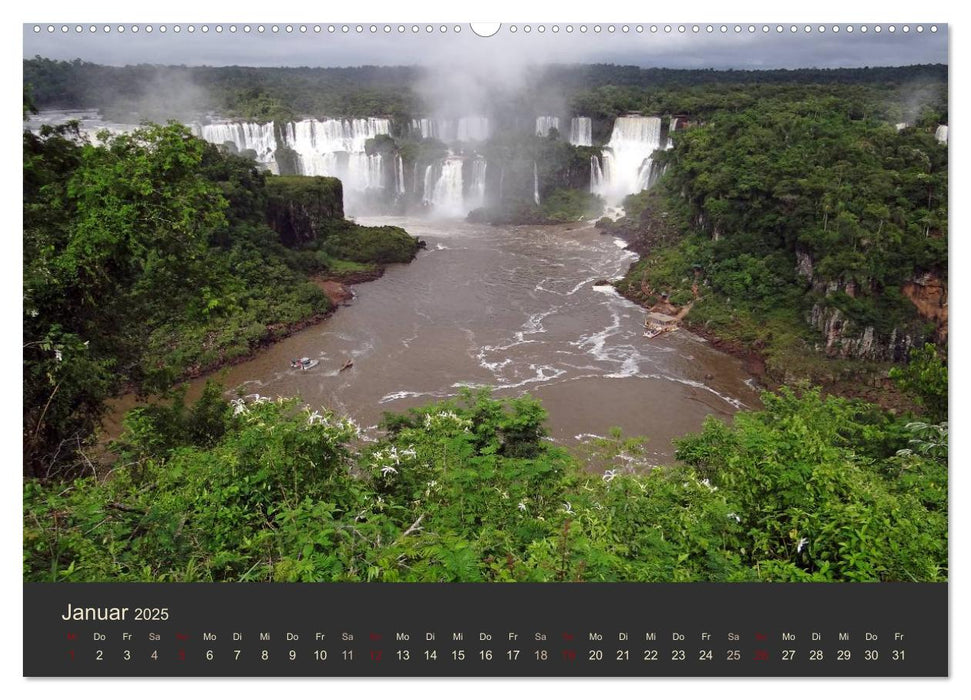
626,163
473,128
246,136
316,143
426,128
330,147
581,131
941,133
535,184
545,124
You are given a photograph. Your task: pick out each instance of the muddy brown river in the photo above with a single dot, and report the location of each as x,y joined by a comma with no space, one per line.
515,309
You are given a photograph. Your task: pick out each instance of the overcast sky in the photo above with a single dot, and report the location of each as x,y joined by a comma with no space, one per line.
674,49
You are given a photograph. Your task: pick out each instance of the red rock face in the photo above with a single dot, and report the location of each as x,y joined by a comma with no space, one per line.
929,294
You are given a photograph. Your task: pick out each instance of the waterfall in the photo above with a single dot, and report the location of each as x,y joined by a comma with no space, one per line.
477,187
596,175
447,192
449,130
535,184
581,131
399,175
941,133
472,129
672,127
502,175
317,143
544,124
245,136
626,166
655,172
429,185
426,128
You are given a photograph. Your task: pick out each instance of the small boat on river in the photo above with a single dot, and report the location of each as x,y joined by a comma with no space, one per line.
657,324
304,363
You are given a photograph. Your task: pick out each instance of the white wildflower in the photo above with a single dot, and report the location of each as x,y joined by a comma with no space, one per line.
314,417
802,543
239,407
707,483
568,508
735,515
609,475
522,506
388,470
57,355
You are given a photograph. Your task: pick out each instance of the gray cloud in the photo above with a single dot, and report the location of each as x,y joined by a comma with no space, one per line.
674,50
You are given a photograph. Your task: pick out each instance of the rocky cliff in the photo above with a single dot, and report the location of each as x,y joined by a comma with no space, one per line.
846,337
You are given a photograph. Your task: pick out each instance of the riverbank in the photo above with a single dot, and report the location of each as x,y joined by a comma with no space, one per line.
334,286
775,347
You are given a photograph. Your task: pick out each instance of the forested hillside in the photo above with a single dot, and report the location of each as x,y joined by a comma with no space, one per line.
804,230
149,258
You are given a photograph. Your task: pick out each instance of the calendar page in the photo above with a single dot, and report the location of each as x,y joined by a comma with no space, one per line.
543,349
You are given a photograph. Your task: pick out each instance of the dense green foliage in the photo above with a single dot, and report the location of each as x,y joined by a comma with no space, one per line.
600,91
793,207
153,256
925,376
148,257
806,490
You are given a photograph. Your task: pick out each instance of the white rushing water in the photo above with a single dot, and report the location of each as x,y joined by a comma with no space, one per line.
319,143
545,124
244,136
471,128
626,164
476,195
446,193
581,131
399,175
516,308
90,122
672,127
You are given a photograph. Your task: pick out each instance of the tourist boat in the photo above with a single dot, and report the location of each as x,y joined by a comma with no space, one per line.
653,329
304,363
